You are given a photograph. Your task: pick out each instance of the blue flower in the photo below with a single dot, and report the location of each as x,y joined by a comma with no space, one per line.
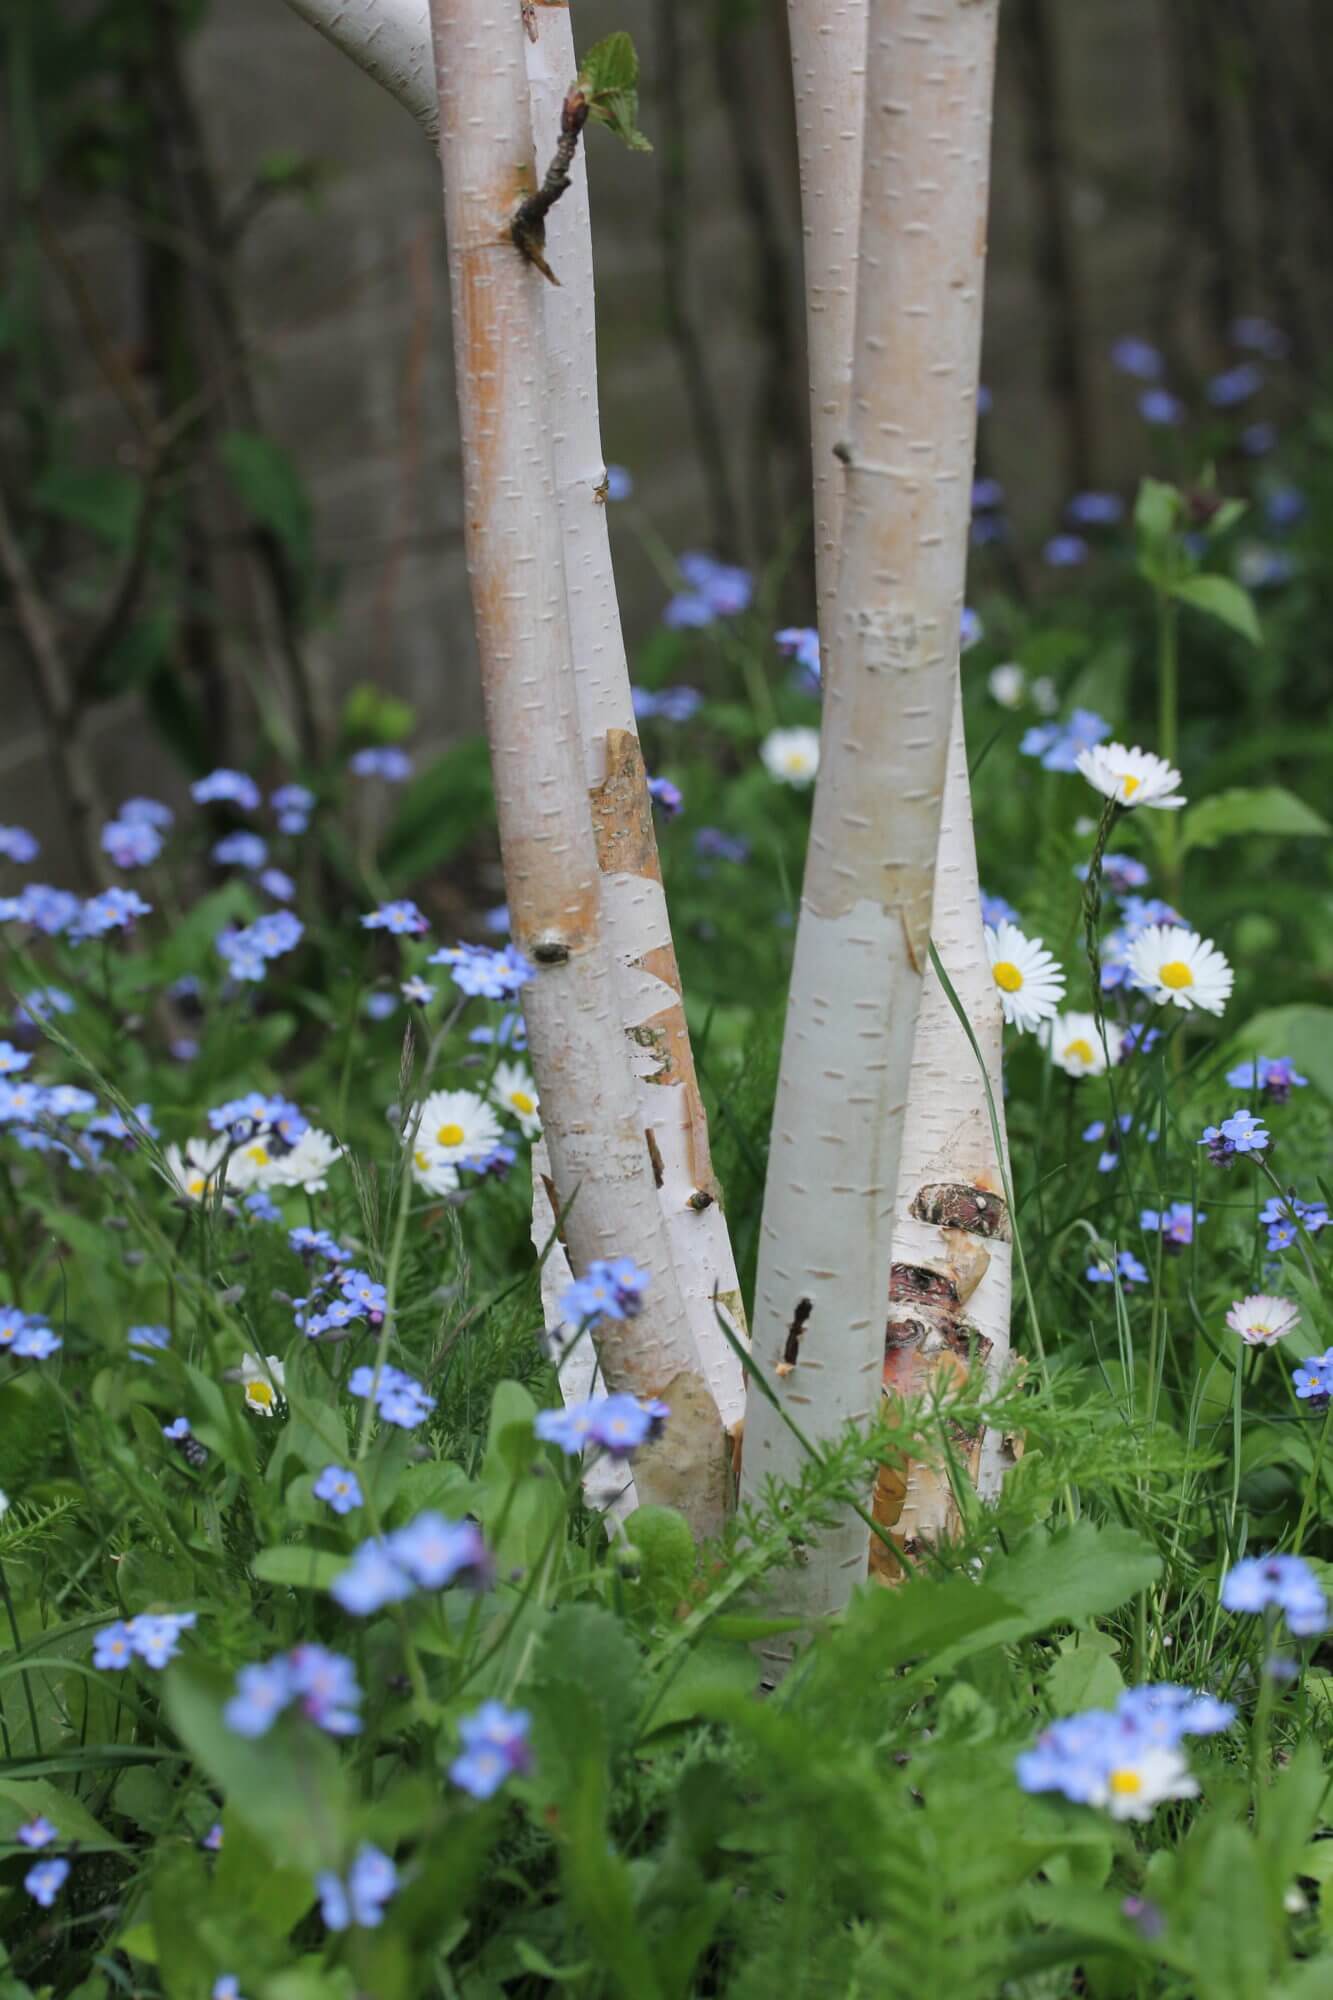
148,812
1176,1224
611,1288
177,1430
17,844
1275,1077
241,850
485,974
715,590
401,919
1234,385
1131,1272
262,1693
1281,1216
619,483
372,1881
293,804
1065,552
113,1646
226,1987
672,704
1135,356
1277,1583
666,795
317,1243
44,1881
12,1060
144,1339
1122,874
1166,1712
340,1488
970,628
365,1292
42,908
1241,1133
1257,440
229,787
36,1832
156,1636
1313,1380
1159,406
712,844
262,1206
987,494
985,401
379,1006
372,1579
44,1002
1058,744
130,843
617,1424
247,952
387,762
33,1341
399,1399
1284,506
1260,336
113,910
495,1747
801,643
996,911
1095,510
418,990
325,1688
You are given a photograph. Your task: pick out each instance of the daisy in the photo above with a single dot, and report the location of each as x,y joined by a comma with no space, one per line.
263,1383
1031,984
791,755
306,1165
192,1171
457,1126
1131,777
1262,1320
512,1087
1178,965
1138,1783
432,1171
1075,1043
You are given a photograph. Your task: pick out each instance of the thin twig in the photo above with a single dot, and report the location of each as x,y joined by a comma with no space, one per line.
528,228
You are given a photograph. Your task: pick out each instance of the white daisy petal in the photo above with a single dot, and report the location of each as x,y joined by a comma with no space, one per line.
1177,965
1140,1783
791,755
192,1171
516,1094
1075,1043
262,1383
457,1127
1030,983
1262,1320
1133,777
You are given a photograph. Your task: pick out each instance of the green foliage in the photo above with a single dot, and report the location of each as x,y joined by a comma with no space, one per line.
609,79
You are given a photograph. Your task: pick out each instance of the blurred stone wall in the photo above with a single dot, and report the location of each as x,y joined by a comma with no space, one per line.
345,302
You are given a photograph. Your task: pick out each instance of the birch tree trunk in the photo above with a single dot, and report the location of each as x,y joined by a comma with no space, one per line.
603,1179
890,687
391,39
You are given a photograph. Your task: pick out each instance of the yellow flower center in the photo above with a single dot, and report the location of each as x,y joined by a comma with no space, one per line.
259,1154
450,1135
1129,785
1079,1050
196,1184
521,1101
1176,973
1007,976
1125,1784
421,1159
260,1394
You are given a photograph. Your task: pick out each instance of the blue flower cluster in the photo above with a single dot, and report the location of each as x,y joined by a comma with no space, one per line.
44,1881
712,844
617,1425
17,844
279,1121
1239,1134
495,1747
26,1335
610,1288
713,590
400,919
321,1684
56,911
248,952
398,1399
385,761
1127,1268
1175,1224
360,1297
429,1554
485,974
372,1881
1277,1583
801,643
670,704
1284,1217
1057,745
340,1488
666,795
153,1638
1313,1380
1274,1077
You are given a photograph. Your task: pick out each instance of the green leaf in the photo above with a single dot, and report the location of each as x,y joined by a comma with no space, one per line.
99,499
1156,512
300,1567
271,490
372,716
667,1556
24,1798
712,1675
611,64
1223,599
1267,809
521,1501
1077,1573
1084,1677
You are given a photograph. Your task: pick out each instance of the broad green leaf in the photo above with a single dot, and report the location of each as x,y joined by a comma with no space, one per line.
1222,599
98,498
24,1798
712,1674
271,490
1076,1573
611,64
300,1567
522,1501
1267,809
1083,1677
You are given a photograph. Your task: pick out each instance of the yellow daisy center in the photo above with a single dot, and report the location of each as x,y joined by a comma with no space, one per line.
1129,785
1125,1783
1175,973
259,1154
450,1135
195,1184
421,1159
260,1394
1079,1050
1007,975
521,1101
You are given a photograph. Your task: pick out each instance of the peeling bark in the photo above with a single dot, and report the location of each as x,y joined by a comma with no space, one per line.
600,1166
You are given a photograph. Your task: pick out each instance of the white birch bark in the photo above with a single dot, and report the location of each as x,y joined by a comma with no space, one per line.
890,680
390,41
603,1180
396,33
